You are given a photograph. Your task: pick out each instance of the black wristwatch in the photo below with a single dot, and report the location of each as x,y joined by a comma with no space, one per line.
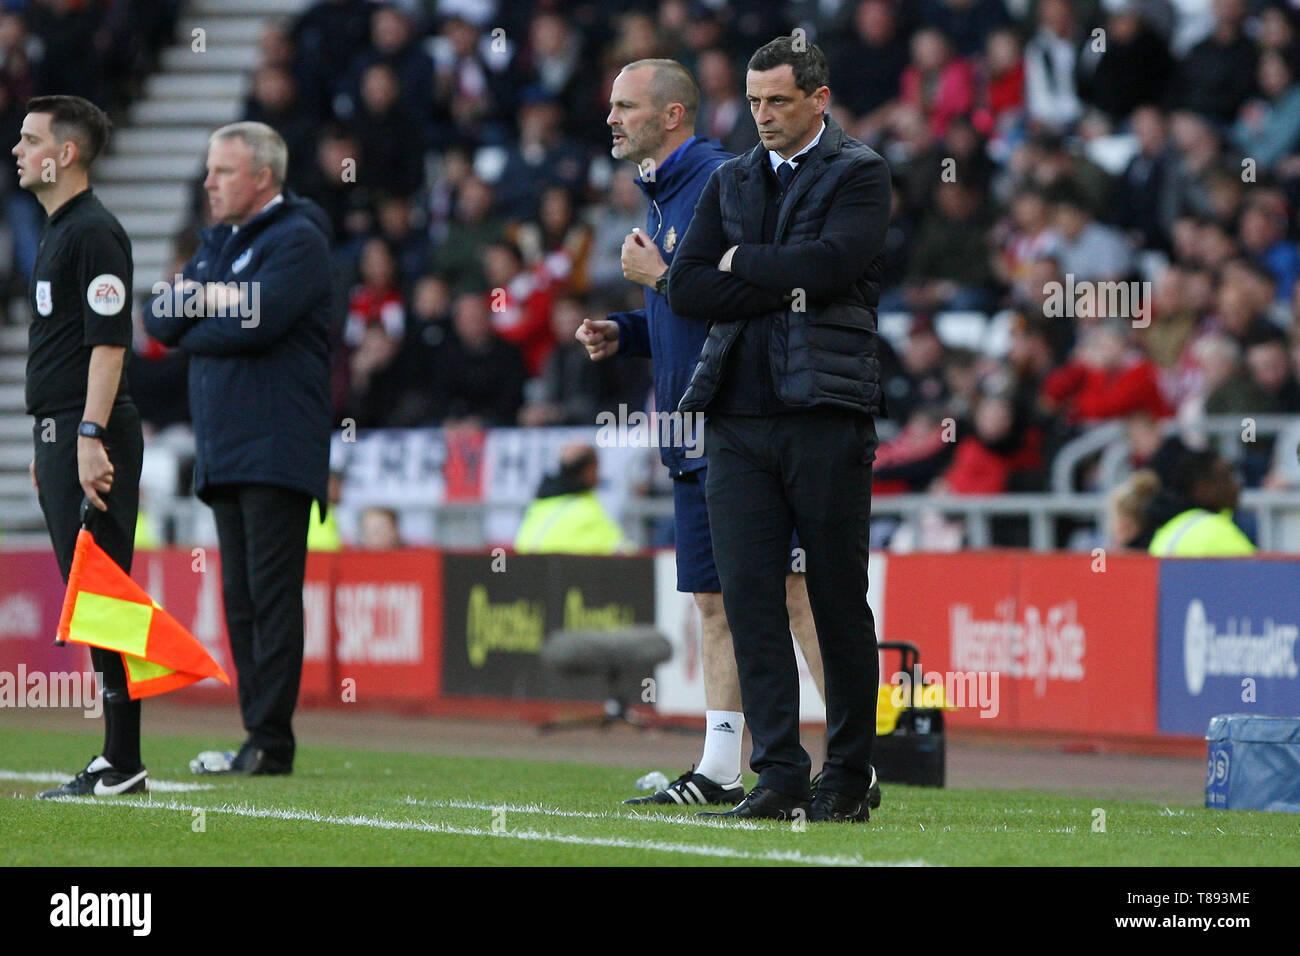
91,430
661,285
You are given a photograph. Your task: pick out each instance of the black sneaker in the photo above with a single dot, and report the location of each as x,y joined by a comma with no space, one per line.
873,792
99,779
762,803
692,789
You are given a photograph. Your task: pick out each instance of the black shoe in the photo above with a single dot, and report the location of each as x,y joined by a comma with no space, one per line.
831,807
873,792
763,803
248,760
99,779
693,788
256,762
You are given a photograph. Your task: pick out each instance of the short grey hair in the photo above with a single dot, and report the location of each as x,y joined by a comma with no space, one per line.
670,83
268,146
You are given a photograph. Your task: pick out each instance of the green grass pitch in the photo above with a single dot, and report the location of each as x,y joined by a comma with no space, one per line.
351,807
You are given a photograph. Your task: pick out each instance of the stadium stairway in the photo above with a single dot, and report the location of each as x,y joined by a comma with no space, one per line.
146,179
157,154
21,523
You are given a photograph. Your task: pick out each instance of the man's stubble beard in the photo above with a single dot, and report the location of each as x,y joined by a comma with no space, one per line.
645,146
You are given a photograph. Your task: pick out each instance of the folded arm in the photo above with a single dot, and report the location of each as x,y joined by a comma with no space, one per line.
271,300
697,288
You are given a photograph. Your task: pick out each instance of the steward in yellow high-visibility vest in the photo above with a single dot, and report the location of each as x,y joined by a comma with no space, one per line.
1205,491
567,517
323,535
1197,533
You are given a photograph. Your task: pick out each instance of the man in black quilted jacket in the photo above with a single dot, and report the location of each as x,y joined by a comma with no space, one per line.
783,258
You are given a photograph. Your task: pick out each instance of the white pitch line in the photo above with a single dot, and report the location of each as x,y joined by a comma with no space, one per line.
54,776
381,823
536,809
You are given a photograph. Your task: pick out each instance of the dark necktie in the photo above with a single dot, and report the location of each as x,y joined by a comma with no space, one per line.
785,173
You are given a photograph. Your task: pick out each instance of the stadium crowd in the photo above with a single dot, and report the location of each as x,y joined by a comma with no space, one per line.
99,49
1037,147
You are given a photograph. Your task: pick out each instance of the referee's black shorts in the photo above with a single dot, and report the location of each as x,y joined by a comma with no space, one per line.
60,490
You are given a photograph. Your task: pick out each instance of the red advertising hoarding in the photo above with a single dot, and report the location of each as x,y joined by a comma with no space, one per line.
1090,626
1062,642
929,597
373,618
388,626
31,596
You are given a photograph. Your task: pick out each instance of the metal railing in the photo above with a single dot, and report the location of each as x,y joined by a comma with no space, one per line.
1108,440
1277,514
462,524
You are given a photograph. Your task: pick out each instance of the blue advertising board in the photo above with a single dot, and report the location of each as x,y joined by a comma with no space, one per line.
1227,641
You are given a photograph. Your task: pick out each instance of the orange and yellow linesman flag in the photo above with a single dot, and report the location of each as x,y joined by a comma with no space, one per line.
105,608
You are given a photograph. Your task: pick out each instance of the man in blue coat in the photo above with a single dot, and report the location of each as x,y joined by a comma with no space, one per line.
652,113
252,309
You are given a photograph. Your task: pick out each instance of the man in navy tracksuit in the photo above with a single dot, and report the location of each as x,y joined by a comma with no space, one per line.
652,113
252,309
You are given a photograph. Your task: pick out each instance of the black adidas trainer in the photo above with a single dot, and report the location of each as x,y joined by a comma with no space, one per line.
693,789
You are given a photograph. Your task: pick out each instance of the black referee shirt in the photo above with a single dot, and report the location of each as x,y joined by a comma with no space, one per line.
80,297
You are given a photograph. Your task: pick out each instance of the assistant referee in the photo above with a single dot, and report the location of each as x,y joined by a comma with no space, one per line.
87,432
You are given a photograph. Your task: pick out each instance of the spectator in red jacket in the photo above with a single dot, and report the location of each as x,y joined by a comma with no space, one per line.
1002,88
373,332
1002,444
520,302
1105,378
377,302
939,84
920,452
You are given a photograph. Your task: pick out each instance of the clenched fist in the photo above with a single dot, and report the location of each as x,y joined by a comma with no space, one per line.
641,259
600,336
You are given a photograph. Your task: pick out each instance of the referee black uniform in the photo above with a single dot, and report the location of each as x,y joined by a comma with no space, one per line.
80,298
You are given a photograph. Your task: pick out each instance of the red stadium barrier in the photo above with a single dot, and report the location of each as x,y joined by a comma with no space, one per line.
371,618
387,626
1073,647
31,596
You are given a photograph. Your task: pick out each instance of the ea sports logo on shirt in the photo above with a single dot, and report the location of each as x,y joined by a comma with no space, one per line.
106,294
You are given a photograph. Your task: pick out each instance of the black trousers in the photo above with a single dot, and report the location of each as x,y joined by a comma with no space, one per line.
60,495
60,492
263,535
810,472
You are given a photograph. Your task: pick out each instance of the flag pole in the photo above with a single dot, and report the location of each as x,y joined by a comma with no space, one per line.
87,511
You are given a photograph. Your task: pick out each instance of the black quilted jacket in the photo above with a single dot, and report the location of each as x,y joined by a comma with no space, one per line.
816,286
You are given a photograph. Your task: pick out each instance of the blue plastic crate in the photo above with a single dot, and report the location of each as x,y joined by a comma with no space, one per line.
1253,763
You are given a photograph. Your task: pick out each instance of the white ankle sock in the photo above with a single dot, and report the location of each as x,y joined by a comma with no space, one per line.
722,739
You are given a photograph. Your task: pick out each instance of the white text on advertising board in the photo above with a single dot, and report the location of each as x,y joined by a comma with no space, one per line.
1237,651
1043,645
379,623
